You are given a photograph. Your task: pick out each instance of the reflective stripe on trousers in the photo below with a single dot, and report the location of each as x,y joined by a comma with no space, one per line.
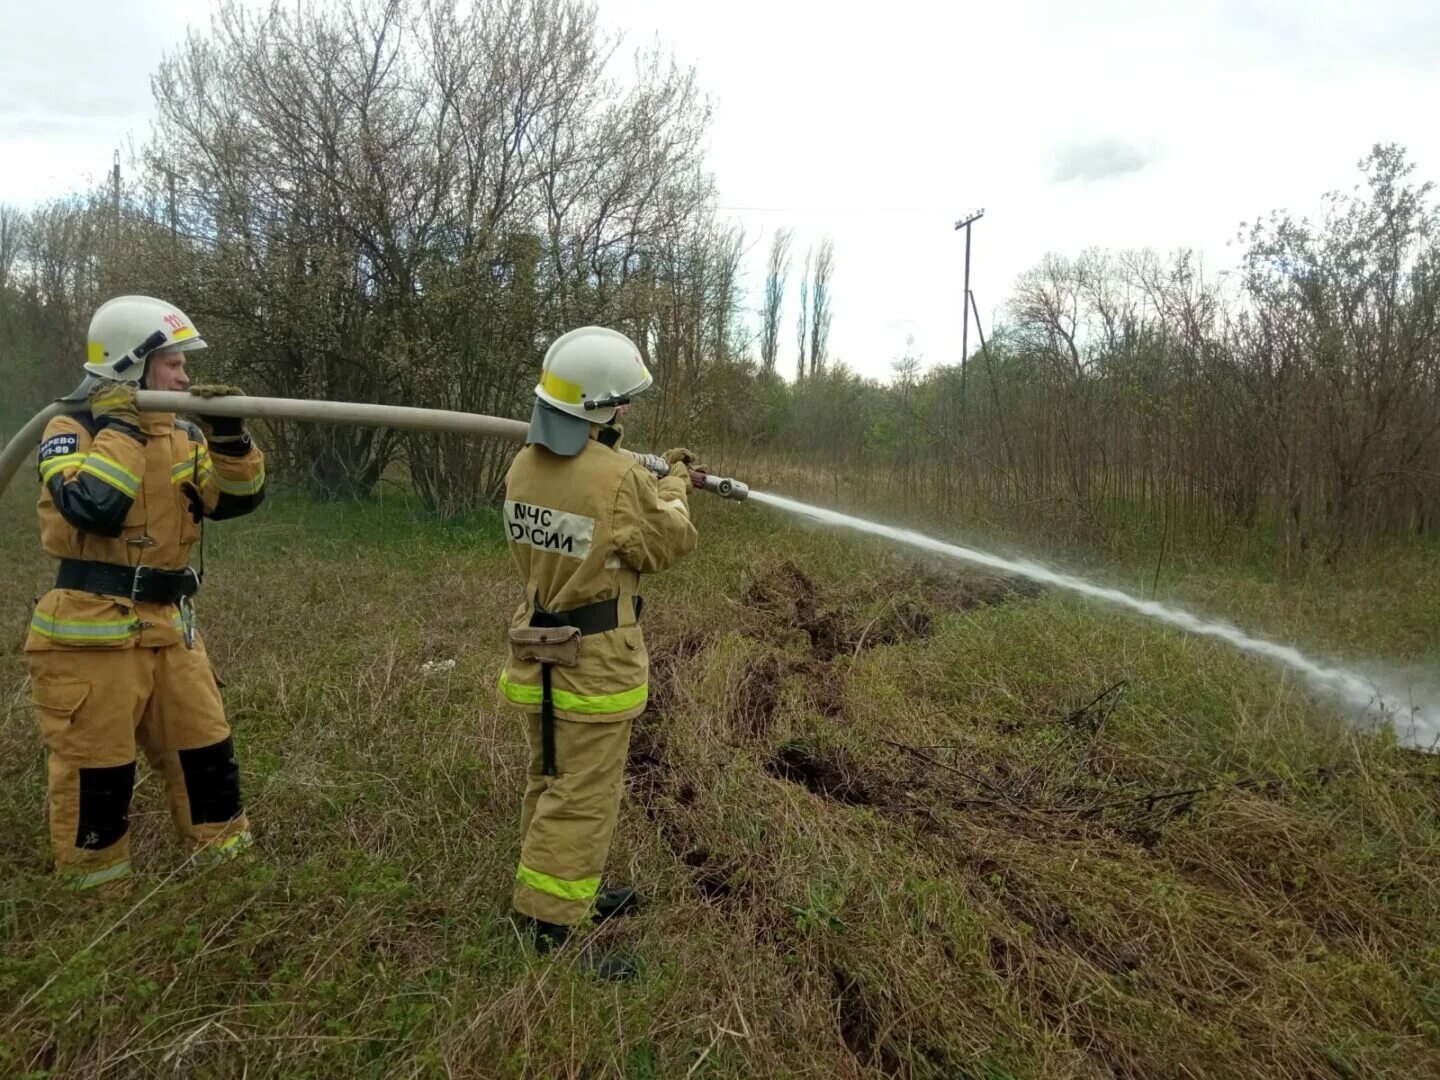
591,704
584,889
99,877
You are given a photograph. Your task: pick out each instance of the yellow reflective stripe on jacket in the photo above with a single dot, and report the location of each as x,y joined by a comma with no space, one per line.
84,629
241,487
179,476
100,877
50,466
183,470
583,889
113,473
598,704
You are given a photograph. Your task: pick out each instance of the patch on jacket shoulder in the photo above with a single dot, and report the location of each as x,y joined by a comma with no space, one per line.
549,530
59,445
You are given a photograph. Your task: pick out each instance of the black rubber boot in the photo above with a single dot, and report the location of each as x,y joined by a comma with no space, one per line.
616,902
548,935
608,966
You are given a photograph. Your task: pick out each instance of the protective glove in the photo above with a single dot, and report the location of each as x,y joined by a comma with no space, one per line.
683,459
114,402
220,429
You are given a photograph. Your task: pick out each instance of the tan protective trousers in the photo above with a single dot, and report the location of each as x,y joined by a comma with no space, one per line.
567,821
94,705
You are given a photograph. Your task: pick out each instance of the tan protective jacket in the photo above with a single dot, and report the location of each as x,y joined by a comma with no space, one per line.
583,529
107,497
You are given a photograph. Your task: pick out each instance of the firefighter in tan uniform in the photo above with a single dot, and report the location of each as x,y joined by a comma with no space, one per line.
113,653
584,521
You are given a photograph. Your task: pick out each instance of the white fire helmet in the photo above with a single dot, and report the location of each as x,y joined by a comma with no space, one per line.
126,331
589,372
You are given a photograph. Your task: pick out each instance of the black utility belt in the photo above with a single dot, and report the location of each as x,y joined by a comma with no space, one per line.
594,618
143,584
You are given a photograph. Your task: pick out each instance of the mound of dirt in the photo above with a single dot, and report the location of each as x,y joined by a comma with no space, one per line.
961,591
753,705
831,774
870,613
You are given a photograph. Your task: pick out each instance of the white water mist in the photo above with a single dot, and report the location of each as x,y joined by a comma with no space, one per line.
1417,724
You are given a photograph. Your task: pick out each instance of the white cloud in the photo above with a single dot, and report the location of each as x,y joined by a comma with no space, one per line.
75,86
1099,159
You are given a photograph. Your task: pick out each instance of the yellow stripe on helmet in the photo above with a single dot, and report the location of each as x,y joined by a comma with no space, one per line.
562,389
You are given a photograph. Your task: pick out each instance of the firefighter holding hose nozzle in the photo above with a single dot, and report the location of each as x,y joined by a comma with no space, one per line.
583,522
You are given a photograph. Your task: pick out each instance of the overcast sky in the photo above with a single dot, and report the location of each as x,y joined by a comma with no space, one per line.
1119,123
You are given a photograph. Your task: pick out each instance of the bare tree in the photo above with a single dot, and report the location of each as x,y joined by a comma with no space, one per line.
821,306
725,294
777,275
12,236
802,322
407,199
1349,314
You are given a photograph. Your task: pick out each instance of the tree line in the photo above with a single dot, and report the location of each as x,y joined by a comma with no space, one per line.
1293,402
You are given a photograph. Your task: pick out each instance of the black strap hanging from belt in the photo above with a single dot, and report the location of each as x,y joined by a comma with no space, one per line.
547,723
596,618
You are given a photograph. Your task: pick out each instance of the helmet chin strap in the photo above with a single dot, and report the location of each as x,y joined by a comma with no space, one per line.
141,352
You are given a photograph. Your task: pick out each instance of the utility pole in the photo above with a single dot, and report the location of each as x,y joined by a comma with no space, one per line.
965,223
115,183
173,209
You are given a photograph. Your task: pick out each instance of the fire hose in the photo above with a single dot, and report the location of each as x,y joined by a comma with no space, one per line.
357,414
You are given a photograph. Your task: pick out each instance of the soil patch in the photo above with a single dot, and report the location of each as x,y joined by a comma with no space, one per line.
831,775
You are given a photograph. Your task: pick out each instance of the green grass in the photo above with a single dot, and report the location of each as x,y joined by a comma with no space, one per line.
823,902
